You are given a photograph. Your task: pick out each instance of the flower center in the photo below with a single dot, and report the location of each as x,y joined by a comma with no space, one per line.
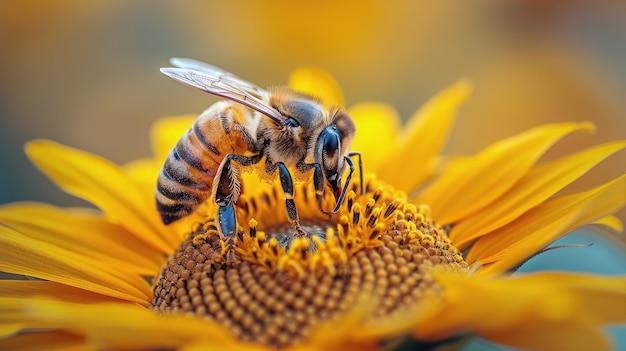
268,287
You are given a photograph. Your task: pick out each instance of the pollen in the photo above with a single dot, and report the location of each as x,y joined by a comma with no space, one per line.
267,287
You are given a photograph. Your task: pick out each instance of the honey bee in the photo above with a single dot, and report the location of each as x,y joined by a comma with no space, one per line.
287,129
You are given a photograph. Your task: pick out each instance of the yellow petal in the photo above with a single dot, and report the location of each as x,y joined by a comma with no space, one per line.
8,329
423,137
105,185
520,311
317,82
22,255
144,174
83,232
475,184
510,245
598,302
377,127
535,187
568,335
611,222
599,297
120,326
165,133
46,340
207,344
57,291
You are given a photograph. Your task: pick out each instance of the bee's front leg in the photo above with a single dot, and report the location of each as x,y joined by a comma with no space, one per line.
287,184
318,183
358,154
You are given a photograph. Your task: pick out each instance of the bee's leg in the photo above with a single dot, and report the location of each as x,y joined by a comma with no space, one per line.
227,189
287,184
342,194
356,153
228,224
318,182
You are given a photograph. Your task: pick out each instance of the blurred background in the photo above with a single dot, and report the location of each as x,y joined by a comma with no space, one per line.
86,73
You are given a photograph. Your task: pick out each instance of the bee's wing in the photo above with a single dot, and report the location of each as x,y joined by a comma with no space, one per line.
220,74
226,85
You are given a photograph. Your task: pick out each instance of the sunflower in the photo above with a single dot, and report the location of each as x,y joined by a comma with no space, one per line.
426,252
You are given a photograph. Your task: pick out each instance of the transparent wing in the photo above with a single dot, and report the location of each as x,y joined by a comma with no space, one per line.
220,74
215,84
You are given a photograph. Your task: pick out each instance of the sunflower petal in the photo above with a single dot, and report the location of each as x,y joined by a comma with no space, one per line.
20,254
611,222
120,326
317,82
518,311
207,344
83,232
534,188
597,299
510,245
379,121
598,296
47,340
105,185
57,291
473,185
8,329
165,132
144,174
423,137
568,335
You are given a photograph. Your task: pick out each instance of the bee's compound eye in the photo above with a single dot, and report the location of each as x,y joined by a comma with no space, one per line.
330,152
291,122
331,146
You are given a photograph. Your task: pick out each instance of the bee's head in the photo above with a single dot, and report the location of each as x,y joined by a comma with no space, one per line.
332,148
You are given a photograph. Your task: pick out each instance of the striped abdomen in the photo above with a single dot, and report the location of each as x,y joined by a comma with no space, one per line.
187,176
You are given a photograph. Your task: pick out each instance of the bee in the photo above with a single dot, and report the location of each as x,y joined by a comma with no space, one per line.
285,128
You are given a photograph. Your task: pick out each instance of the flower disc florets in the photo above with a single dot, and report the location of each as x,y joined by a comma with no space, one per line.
270,289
